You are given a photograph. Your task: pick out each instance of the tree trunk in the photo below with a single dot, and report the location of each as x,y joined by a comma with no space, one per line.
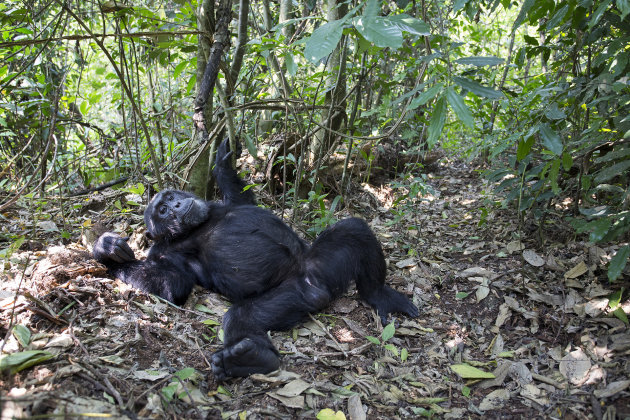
334,114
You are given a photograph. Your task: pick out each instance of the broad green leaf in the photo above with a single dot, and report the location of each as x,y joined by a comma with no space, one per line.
624,7
22,334
323,41
551,140
553,176
470,372
524,147
522,15
372,8
410,24
179,68
460,107
425,97
404,354
612,171
290,63
557,17
461,295
436,125
599,12
388,331
618,152
618,263
478,89
480,61
599,228
567,161
23,360
380,31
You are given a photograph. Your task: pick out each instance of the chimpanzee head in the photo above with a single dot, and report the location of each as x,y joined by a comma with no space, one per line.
172,214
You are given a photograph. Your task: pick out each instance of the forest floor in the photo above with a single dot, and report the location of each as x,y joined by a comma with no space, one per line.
508,328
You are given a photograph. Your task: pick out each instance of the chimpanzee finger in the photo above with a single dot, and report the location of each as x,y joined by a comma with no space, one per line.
123,251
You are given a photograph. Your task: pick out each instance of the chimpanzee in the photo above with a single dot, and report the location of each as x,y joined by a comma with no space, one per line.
273,277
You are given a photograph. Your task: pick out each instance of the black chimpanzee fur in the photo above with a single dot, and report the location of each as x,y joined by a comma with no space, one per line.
273,277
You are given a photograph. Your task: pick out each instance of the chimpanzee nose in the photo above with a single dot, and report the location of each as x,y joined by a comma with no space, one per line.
178,204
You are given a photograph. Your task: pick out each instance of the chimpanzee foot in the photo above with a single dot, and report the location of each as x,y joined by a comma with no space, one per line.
388,300
244,358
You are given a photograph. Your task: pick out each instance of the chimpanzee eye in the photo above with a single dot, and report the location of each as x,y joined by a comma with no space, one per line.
169,197
162,209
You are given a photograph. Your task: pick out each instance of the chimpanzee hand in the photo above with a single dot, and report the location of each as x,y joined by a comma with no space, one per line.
224,153
110,247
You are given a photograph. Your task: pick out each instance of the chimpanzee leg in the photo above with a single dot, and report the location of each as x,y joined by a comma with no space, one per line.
348,251
248,348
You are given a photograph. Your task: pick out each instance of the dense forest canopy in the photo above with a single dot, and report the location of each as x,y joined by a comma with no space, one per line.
327,98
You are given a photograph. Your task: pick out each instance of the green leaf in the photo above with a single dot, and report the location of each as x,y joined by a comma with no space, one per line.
466,391
599,12
436,125
388,332
619,313
478,89
618,263
410,24
470,372
551,140
425,97
524,147
22,334
372,8
380,32
462,295
292,67
615,299
178,69
612,171
567,161
553,176
328,414
460,107
23,360
624,8
557,18
522,15
373,340
323,41
404,354
185,373
169,391
599,228
392,349
480,61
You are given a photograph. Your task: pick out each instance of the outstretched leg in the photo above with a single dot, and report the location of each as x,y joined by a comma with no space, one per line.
349,251
247,347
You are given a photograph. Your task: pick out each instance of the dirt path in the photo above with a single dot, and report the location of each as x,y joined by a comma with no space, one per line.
508,330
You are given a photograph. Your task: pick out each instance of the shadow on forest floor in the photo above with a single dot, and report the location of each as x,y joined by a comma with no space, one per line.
535,318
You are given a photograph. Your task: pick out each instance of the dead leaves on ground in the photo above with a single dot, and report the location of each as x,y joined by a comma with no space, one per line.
506,329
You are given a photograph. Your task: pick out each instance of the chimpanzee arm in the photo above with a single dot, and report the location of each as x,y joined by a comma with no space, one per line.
231,185
167,275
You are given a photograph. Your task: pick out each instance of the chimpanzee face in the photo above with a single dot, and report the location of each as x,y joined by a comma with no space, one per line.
173,213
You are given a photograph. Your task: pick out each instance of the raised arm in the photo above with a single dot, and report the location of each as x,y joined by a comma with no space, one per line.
231,185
